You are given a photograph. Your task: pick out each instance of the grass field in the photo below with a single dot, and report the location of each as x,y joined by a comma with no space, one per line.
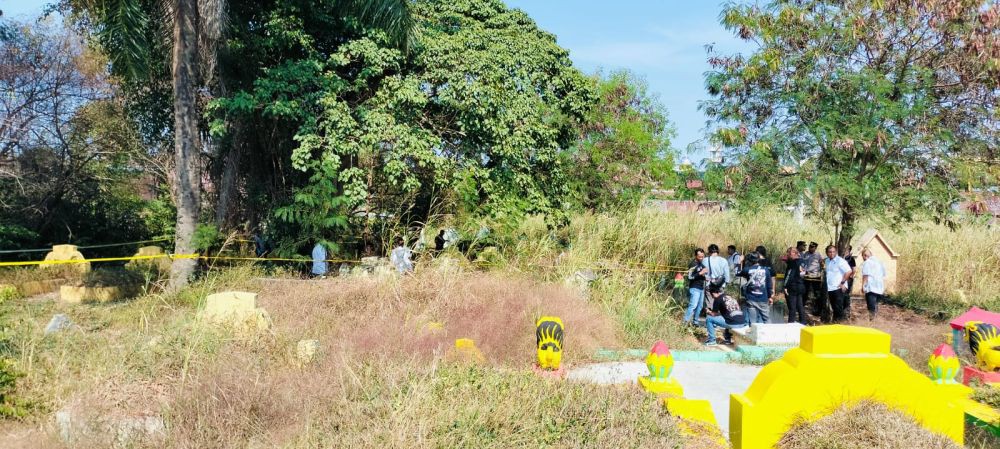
387,376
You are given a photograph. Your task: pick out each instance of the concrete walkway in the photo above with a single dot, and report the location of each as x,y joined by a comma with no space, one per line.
701,380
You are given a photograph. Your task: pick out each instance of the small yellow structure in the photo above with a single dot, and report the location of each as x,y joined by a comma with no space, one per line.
835,365
660,363
62,253
77,294
881,250
151,256
696,417
466,350
235,309
549,341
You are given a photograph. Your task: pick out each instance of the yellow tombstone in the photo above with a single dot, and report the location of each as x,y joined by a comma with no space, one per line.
835,365
467,351
66,256
549,341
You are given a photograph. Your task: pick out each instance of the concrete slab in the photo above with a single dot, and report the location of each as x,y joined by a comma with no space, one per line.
776,334
711,381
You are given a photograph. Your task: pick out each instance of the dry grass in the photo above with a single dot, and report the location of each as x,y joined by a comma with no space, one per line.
941,272
868,425
382,379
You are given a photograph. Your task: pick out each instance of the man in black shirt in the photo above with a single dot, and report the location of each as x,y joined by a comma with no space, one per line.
726,313
794,286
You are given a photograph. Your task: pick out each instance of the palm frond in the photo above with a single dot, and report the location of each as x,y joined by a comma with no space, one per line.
392,16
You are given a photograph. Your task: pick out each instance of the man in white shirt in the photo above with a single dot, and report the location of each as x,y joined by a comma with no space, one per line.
400,257
873,281
837,274
319,266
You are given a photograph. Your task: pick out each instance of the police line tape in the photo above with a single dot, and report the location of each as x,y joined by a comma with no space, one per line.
637,266
160,256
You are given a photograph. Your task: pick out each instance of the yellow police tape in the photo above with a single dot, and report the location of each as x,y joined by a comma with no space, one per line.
171,256
635,266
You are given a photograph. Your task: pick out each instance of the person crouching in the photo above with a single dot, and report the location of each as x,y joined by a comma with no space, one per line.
725,313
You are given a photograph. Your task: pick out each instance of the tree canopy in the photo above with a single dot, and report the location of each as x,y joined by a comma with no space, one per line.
871,104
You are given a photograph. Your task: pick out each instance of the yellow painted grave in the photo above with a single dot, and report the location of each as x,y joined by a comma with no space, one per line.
834,365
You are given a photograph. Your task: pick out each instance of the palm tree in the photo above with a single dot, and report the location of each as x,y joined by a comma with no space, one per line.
196,27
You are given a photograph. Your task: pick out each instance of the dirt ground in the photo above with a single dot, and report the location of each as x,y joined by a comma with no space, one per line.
914,336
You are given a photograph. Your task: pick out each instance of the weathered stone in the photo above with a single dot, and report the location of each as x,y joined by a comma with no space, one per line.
236,309
57,323
75,294
785,334
306,350
151,256
33,288
66,253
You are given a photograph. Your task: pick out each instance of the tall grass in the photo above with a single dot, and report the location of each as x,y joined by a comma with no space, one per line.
383,377
939,269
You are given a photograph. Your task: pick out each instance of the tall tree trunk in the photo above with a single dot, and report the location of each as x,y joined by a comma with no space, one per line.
186,148
847,228
229,182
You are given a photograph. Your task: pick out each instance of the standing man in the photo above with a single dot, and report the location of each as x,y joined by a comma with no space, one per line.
718,266
837,274
872,281
718,269
696,288
725,313
813,279
319,267
401,257
440,241
735,259
759,289
794,286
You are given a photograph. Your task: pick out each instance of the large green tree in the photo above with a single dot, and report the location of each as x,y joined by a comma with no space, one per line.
624,144
473,117
132,36
872,104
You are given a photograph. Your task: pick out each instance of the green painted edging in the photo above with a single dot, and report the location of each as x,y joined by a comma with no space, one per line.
762,351
990,427
681,356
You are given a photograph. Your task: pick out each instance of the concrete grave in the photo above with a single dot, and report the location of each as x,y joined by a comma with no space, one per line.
235,309
784,334
306,350
62,253
74,294
151,256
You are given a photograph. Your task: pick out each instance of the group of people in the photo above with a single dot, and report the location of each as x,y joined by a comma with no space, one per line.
401,256
824,282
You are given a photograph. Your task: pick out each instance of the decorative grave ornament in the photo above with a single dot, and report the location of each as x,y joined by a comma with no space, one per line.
943,365
549,333
661,364
984,341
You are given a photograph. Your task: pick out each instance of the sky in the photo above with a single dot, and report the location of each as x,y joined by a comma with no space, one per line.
661,40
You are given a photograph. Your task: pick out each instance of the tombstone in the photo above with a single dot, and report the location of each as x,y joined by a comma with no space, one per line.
776,334
65,253
881,250
235,309
151,256
57,323
306,350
